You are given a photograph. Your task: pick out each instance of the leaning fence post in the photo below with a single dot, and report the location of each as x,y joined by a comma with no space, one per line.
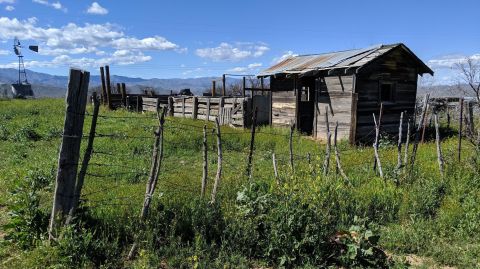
252,143
326,163
337,156
109,87
375,147
439,149
70,149
460,130
399,144
86,159
218,177
157,157
292,128
380,116
407,142
205,161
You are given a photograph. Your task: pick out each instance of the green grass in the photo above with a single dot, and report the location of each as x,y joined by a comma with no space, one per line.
253,225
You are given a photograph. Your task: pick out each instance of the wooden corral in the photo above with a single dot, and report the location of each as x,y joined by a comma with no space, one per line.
350,85
233,111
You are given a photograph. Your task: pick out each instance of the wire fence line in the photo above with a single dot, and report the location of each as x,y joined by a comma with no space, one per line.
135,164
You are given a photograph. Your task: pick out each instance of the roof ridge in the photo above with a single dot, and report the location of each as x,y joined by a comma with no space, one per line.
338,51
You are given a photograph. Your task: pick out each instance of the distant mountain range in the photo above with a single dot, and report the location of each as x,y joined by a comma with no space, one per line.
46,85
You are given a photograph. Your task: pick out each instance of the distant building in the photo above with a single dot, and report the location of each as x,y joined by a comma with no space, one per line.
351,85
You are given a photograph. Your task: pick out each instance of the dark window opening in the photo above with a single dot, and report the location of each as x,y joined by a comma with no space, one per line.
387,92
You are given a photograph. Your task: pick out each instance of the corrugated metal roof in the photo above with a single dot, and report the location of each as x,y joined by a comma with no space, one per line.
342,59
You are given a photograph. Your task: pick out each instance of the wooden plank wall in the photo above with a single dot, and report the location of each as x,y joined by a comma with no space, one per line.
336,93
283,102
283,108
398,68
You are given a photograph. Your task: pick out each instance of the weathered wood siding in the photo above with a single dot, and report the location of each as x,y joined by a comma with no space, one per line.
283,102
335,93
398,68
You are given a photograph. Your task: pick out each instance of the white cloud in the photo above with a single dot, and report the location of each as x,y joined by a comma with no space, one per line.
286,55
9,8
3,52
229,52
117,58
449,61
250,67
55,5
150,43
97,9
73,39
7,1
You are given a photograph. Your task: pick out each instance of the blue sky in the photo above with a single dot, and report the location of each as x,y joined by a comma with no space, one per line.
182,39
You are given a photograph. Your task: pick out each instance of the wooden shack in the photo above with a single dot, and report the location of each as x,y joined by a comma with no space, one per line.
351,85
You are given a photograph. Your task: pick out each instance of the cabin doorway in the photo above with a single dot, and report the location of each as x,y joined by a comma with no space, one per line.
305,104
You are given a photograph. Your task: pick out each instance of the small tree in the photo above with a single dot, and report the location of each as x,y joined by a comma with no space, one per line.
470,73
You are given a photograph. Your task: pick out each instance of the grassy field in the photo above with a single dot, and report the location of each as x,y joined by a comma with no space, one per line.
304,220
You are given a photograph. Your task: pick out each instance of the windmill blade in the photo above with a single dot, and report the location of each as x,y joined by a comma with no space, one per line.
33,48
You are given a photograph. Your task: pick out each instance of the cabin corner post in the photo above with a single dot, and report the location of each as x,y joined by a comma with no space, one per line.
297,102
353,124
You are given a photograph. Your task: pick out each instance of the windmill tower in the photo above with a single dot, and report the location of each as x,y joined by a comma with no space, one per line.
22,88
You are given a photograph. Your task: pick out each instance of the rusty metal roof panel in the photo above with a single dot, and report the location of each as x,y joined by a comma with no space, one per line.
305,63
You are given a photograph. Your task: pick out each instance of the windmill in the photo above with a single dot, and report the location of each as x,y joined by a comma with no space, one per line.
22,88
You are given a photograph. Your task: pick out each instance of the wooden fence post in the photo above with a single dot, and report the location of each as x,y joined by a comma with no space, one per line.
170,106
252,143
337,156
70,149
326,162
138,104
104,88
208,110
213,88
183,106
375,146
244,84
424,125
157,157
417,132
292,128
471,120
218,177
439,149
205,161
223,85
86,159
124,94
399,143
460,129
195,108
407,142
221,104
274,160
380,116
109,87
